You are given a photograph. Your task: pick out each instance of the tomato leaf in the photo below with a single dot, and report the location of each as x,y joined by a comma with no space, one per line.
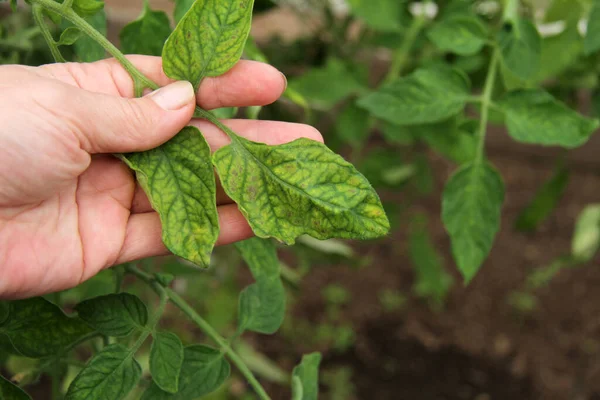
204,369
305,378
520,46
180,183
181,7
262,304
166,359
117,315
69,36
299,188
534,116
147,34
461,34
111,374
38,328
208,40
10,391
381,15
86,49
592,37
544,202
471,205
353,125
426,96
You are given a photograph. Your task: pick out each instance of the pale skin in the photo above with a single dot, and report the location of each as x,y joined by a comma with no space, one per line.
68,207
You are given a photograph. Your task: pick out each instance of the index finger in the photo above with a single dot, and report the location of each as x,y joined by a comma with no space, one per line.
248,83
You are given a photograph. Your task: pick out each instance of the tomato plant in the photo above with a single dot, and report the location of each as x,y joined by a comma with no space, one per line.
456,68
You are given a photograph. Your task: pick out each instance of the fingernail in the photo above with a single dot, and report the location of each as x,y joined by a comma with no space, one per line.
285,82
174,96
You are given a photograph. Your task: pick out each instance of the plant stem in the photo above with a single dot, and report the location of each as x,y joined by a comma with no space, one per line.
140,81
38,16
401,54
511,10
203,325
486,101
67,4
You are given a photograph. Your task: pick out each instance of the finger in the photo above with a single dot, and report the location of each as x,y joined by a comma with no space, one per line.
143,237
269,132
112,124
248,83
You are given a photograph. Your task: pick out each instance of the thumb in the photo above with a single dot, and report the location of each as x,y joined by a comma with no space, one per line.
110,124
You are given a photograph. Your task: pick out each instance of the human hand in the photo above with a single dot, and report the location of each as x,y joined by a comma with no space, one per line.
69,209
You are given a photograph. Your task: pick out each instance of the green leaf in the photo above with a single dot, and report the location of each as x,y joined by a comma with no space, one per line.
520,46
534,116
38,328
86,49
381,15
117,315
208,40
225,112
586,239
325,87
204,370
299,188
69,36
307,373
564,10
559,53
432,282
181,7
9,391
450,138
262,304
471,205
166,359
353,125
461,34
426,96
87,8
147,34
180,183
544,202
111,374
592,37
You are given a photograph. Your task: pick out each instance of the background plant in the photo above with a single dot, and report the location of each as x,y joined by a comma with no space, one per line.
457,68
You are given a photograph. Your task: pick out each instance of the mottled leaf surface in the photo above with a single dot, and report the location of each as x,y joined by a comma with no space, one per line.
299,188
166,359
204,370
461,34
111,374
208,40
586,239
471,205
592,37
428,95
179,180
114,314
147,34
520,46
262,304
307,373
534,116
10,391
38,328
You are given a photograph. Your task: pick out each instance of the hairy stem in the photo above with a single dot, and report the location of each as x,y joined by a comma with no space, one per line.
203,325
38,16
486,101
141,82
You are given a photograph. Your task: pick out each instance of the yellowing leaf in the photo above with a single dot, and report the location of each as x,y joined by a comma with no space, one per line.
180,183
208,40
299,188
